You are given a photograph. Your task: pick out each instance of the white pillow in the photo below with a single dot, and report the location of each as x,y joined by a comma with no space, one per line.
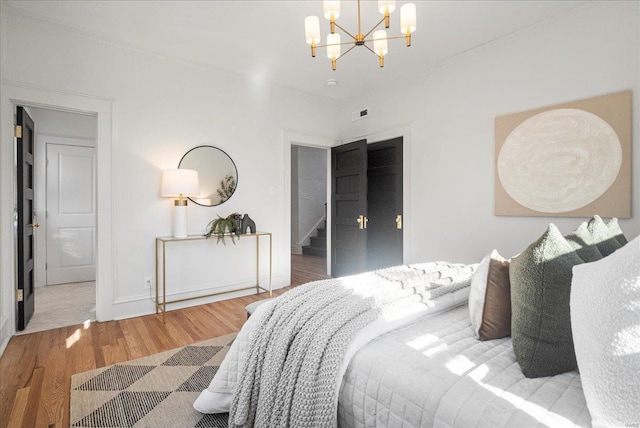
490,298
605,320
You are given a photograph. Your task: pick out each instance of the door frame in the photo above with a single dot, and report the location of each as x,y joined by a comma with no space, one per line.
14,94
290,138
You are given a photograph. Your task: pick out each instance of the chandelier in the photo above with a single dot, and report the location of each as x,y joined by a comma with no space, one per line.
379,39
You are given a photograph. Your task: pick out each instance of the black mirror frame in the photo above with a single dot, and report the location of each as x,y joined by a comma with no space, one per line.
235,167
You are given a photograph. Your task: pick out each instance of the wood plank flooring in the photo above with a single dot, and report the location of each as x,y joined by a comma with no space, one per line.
36,368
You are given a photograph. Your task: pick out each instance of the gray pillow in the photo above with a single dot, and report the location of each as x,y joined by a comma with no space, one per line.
540,279
582,241
602,236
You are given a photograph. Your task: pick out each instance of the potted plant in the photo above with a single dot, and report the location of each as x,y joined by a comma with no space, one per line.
223,226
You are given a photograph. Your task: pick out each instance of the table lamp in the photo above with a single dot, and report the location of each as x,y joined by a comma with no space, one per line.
181,184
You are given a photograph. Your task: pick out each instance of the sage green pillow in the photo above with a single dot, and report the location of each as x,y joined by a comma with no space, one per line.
603,237
581,240
616,231
540,279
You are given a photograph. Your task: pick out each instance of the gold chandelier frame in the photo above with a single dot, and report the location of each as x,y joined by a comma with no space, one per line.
359,39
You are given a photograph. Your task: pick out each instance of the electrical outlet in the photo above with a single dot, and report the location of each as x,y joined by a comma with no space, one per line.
147,282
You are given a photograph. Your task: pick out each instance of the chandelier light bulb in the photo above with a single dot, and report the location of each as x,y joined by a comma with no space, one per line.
333,49
386,6
380,45
408,18
380,42
312,30
331,9
333,45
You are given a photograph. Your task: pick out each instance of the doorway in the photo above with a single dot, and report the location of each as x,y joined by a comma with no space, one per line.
309,168
65,210
11,96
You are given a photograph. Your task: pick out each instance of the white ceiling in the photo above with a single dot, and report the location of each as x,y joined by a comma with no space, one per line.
265,39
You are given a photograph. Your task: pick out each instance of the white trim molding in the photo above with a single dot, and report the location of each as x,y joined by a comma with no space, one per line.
14,94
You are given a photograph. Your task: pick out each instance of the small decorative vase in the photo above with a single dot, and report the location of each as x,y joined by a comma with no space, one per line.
247,223
238,219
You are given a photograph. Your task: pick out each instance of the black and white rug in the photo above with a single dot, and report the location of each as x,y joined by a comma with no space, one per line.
154,391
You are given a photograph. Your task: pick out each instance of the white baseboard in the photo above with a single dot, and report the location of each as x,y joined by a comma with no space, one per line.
144,305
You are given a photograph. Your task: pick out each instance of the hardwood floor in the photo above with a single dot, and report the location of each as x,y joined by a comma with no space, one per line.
36,368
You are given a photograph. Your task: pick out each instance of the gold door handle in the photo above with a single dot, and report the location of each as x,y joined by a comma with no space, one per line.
399,221
362,222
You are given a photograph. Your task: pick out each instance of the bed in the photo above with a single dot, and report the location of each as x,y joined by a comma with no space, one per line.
434,372
408,347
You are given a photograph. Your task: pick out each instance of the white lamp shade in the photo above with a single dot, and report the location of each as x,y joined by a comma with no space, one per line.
333,45
312,29
331,7
380,42
176,182
384,5
408,18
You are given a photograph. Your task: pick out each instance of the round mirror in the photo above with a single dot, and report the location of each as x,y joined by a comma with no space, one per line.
217,174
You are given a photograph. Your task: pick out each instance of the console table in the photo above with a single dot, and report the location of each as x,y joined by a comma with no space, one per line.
161,251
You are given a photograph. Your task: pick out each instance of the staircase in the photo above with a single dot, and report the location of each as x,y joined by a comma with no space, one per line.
318,245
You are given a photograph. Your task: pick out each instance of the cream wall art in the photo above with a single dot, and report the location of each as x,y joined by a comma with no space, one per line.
567,160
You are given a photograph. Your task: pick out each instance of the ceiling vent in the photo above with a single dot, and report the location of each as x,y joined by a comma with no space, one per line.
359,114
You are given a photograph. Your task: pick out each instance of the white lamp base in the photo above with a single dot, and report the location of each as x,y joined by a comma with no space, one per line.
180,221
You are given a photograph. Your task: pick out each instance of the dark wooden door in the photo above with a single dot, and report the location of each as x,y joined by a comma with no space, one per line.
348,208
384,204
25,256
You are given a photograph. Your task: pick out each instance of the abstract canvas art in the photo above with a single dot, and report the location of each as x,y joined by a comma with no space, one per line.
567,160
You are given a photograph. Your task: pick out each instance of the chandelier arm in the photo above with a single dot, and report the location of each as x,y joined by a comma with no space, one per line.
371,50
347,51
386,38
350,42
374,27
345,31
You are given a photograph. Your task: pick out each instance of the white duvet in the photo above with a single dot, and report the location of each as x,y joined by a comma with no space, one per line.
435,373
429,372
218,396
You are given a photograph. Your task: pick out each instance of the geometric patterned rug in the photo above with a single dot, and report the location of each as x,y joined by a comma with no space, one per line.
154,391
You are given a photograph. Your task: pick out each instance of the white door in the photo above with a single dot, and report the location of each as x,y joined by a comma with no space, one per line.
71,218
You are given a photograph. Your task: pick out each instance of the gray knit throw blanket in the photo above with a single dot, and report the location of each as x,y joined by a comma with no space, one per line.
291,368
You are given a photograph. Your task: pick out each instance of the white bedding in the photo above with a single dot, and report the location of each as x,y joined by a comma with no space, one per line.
434,372
456,277
423,369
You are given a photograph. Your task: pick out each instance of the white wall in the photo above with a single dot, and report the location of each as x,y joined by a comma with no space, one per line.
64,124
163,108
592,51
